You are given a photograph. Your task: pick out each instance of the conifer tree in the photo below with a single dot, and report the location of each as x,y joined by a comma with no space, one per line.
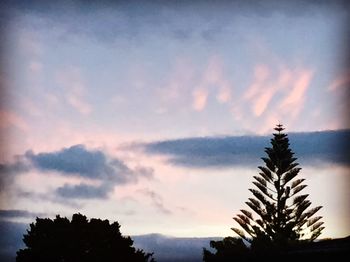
283,213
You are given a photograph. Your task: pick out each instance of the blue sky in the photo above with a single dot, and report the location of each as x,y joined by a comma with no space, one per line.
95,94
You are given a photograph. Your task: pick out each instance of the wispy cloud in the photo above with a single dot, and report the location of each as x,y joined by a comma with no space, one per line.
294,102
84,191
10,119
200,97
72,81
341,82
214,77
157,200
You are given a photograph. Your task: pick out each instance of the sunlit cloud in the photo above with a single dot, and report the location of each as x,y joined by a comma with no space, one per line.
10,119
200,96
224,95
294,102
261,73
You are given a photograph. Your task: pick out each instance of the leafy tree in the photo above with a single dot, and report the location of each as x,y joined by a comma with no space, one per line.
283,213
78,240
229,248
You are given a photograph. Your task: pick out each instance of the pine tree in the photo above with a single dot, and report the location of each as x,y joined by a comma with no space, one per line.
283,214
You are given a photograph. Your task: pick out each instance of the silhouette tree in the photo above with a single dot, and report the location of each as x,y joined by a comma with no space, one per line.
228,249
284,217
78,240
283,214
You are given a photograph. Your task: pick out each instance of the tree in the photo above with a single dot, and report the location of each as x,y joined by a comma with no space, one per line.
229,248
284,221
283,214
78,240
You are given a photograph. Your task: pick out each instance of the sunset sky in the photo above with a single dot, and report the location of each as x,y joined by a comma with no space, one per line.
156,113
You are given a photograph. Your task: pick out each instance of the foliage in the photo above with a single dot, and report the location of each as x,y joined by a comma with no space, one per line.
78,240
228,248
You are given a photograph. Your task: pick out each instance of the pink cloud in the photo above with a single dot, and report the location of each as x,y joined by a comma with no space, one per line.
200,96
261,73
294,101
261,91
263,100
10,119
270,88
340,82
224,95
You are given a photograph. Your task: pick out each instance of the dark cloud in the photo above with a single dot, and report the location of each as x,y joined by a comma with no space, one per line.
93,164
180,20
15,213
8,172
84,191
311,148
80,162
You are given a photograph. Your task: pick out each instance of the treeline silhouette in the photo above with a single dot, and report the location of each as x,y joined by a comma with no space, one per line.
80,239
281,226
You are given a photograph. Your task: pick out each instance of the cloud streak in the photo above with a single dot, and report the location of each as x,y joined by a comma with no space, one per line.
84,191
225,152
157,201
16,213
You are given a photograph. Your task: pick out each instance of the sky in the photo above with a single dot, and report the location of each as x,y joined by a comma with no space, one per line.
156,113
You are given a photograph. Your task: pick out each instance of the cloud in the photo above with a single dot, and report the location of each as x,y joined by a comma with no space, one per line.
294,102
341,82
16,213
72,81
84,191
77,161
200,96
311,148
157,201
8,172
268,83
91,164
10,119
224,95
